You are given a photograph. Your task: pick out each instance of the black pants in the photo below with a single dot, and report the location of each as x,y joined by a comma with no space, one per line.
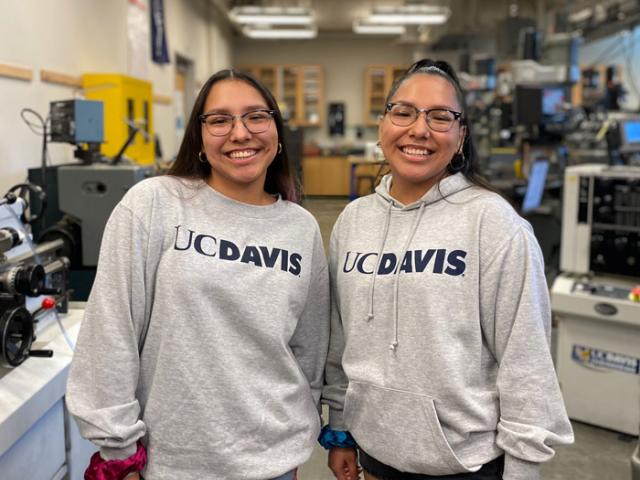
489,471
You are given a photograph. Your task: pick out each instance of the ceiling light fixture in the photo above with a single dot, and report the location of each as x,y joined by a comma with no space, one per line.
271,15
410,15
280,33
380,29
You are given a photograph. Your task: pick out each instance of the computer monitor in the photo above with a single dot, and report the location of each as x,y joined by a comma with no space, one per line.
527,105
540,104
554,99
535,187
630,135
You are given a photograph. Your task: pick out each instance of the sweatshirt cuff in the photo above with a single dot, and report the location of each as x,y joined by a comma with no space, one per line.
108,453
518,469
336,420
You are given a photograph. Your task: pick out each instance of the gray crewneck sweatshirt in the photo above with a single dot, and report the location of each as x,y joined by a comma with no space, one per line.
439,355
205,334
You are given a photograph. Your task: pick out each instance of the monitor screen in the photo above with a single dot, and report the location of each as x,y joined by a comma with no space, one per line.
552,100
631,132
553,104
535,187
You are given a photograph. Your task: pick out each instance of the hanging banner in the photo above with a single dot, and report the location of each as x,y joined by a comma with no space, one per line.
159,50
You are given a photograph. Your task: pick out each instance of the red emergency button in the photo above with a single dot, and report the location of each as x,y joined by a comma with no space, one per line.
634,294
48,303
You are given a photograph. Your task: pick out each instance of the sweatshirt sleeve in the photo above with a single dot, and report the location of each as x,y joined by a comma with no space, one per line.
310,339
516,317
101,388
334,392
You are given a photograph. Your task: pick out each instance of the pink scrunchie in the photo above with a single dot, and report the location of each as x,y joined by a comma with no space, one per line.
101,469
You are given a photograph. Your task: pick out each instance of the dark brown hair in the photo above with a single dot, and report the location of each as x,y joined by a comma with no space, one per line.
279,179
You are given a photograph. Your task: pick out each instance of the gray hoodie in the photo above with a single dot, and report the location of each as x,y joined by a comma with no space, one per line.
439,353
205,335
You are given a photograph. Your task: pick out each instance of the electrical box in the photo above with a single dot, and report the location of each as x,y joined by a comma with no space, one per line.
127,105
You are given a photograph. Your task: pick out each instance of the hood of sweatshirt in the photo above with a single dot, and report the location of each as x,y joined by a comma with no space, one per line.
446,189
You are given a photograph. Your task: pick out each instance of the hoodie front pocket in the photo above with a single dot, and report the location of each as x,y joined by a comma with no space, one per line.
400,429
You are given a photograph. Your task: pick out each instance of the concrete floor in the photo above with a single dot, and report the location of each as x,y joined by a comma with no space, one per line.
597,454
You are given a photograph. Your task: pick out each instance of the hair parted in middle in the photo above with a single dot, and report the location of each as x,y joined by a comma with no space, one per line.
279,179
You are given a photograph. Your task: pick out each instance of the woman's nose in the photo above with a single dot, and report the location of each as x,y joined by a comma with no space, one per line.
420,127
239,130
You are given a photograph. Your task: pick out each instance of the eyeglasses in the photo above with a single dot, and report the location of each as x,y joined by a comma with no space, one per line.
219,124
438,119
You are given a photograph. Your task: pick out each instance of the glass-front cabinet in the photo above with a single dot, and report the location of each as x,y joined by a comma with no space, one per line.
378,80
299,90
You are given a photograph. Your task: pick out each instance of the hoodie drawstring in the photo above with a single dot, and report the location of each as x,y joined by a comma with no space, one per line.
375,272
414,228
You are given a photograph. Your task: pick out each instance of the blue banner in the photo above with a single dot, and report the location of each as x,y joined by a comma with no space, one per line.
159,50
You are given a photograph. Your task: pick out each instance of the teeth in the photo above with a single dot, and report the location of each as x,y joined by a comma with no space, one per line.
241,153
415,151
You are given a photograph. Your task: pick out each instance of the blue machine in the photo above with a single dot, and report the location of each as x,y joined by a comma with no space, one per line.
77,121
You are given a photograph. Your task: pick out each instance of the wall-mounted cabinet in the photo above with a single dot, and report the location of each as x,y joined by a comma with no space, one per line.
378,80
299,90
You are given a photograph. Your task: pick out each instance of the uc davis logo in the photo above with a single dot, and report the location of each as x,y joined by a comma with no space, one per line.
602,359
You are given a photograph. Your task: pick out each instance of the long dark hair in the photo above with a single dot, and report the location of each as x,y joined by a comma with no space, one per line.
188,165
468,162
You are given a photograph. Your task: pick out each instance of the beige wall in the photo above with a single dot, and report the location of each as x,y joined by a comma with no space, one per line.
78,36
344,61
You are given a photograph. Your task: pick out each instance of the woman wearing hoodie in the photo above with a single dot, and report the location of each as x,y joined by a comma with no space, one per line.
439,363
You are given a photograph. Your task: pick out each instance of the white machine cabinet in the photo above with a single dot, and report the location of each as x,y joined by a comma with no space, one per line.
598,358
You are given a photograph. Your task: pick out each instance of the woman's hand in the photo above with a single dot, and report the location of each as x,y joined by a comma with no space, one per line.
132,476
343,462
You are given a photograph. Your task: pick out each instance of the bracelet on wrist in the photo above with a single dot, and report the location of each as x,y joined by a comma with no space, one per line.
101,469
335,438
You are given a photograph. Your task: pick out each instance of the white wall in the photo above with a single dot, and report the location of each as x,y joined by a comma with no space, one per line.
344,60
78,36
624,50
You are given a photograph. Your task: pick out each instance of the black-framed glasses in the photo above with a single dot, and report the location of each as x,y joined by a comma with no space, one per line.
438,119
219,124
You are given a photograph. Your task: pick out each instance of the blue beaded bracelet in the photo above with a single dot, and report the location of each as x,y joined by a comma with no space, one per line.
335,438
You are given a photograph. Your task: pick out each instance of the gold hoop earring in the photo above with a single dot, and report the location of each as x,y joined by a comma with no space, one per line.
200,156
279,148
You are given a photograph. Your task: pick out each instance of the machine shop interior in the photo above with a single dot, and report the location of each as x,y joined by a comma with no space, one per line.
95,96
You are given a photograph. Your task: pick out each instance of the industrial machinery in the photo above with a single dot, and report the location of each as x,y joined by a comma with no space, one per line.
33,284
81,196
596,300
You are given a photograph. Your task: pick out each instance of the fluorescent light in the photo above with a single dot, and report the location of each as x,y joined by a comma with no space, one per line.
271,15
284,33
410,15
581,15
372,28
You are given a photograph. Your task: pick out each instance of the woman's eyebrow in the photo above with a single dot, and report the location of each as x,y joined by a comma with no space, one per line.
247,109
432,107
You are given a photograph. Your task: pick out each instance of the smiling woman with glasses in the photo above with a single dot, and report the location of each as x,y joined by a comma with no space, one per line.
439,291
202,350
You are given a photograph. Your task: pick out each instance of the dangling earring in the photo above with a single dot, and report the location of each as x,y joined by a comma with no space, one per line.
462,161
202,158
378,154
279,148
